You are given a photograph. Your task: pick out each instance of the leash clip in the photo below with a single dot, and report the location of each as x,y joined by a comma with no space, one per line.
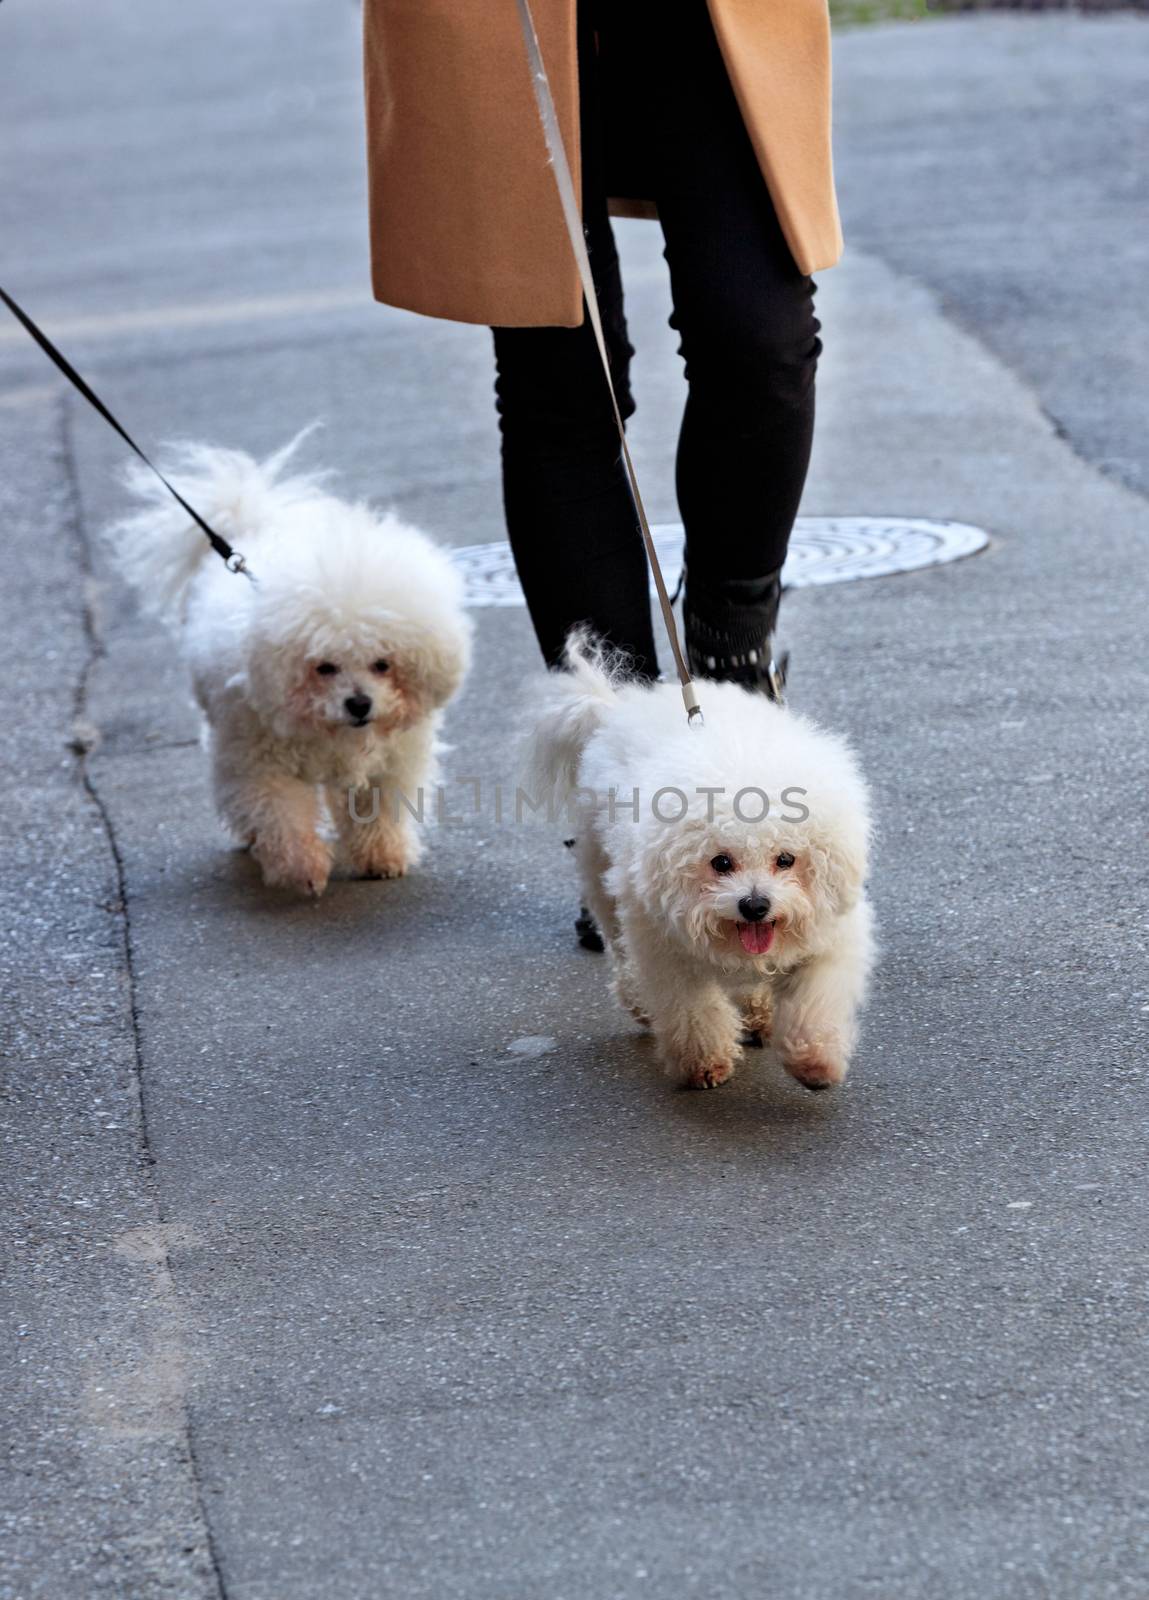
236,563
776,678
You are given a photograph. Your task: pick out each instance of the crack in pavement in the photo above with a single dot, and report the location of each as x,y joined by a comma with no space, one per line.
156,1395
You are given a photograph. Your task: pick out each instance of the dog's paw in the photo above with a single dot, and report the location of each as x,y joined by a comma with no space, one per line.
381,853
302,869
709,1076
381,864
758,1017
811,1064
629,1001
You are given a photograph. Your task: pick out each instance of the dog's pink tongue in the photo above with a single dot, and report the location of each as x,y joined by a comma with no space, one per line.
756,936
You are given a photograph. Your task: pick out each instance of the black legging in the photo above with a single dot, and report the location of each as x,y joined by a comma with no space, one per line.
748,333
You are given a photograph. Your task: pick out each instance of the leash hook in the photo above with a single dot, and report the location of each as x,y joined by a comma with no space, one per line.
232,557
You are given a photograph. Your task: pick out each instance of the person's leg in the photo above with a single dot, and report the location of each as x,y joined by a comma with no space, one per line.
749,336
570,518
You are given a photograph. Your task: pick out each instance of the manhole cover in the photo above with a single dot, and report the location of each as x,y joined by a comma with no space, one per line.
822,550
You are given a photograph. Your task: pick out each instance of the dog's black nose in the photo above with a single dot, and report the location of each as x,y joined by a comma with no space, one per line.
754,907
358,707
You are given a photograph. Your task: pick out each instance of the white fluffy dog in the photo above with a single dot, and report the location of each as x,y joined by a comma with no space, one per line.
327,674
721,912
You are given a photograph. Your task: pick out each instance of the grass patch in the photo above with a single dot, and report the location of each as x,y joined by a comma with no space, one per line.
854,13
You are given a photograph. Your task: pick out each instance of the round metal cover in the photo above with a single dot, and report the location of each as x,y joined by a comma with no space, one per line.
822,550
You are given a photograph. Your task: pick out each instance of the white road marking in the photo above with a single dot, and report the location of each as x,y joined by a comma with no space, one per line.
204,314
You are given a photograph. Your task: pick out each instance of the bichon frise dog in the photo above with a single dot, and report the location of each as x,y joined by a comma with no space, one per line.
325,677
725,865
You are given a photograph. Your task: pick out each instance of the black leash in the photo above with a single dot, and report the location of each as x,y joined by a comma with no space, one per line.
219,544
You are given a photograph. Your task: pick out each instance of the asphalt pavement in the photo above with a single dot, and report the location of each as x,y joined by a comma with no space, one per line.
358,1249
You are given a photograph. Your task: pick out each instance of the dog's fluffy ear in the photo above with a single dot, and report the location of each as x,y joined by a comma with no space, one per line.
838,829
437,661
841,860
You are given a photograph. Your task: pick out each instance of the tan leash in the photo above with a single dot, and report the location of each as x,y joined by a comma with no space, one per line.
572,214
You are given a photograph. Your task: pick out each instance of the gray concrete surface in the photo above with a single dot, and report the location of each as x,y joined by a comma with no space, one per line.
325,1284
1002,160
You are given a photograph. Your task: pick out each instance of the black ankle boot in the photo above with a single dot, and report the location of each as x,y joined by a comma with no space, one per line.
730,633
586,928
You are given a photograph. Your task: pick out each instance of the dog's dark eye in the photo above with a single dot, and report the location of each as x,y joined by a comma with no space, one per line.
380,666
784,860
327,669
722,863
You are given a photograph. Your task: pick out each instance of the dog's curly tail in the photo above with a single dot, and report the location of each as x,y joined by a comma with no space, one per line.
572,705
159,549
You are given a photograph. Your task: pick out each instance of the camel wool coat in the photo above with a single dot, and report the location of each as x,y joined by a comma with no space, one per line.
465,217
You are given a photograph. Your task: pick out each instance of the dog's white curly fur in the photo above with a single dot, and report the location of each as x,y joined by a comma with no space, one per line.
684,957
349,606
